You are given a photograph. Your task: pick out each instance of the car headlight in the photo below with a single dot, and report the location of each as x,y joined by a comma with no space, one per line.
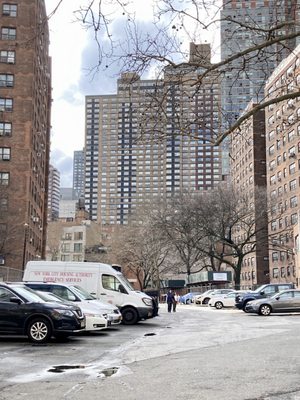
58,313
93,315
148,302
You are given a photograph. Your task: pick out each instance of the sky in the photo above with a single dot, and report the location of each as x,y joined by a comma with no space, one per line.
74,52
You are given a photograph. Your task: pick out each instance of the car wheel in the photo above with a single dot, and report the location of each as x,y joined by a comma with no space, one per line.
39,330
265,310
244,307
205,301
219,305
188,301
130,316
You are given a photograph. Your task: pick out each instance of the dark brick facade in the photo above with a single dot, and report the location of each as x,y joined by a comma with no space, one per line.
23,198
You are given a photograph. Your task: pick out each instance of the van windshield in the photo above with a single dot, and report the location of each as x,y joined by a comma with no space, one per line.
125,282
82,293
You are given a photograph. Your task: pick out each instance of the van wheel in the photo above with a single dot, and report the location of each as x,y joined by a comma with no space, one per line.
130,316
39,330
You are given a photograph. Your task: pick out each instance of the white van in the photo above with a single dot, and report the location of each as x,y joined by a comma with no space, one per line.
101,280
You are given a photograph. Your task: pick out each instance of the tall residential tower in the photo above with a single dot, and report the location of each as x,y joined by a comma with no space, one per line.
151,140
25,101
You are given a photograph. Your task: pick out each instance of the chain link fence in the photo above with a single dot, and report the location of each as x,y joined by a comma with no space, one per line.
10,274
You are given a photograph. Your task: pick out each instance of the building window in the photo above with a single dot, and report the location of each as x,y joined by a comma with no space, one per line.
5,128
6,104
7,57
77,247
275,272
65,248
8,33
9,10
293,201
4,153
294,219
275,256
77,257
6,80
78,235
4,178
282,272
65,257
4,204
293,184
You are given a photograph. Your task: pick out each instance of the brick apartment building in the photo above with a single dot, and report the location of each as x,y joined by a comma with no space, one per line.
248,172
283,166
25,98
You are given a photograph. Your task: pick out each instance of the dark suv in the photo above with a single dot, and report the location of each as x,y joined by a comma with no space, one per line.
262,292
24,312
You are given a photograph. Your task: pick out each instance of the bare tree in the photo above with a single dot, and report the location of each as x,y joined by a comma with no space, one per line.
180,232
139,248
161,45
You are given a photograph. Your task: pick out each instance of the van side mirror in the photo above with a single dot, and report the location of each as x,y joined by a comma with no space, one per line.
122,289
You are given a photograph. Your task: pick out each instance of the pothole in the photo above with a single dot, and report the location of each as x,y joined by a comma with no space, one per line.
62,368
150,334
107,372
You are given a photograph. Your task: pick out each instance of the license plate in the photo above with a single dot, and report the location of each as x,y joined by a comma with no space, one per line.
82,323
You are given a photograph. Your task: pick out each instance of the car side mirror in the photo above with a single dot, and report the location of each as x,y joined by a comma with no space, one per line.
277,297
262,292
15,300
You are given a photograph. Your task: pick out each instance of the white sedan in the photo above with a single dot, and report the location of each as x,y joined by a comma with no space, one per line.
94,320
220,301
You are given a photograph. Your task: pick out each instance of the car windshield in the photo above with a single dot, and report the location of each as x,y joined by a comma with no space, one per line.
82,293
50,296
259,289
28,294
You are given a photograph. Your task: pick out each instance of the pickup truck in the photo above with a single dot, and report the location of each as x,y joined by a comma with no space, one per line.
263,291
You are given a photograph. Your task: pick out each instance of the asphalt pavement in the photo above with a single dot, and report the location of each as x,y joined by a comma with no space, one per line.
197,353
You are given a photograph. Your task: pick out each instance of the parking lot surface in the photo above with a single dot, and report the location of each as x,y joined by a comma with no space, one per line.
195,353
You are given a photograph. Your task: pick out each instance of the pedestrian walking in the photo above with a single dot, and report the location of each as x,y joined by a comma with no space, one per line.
170,300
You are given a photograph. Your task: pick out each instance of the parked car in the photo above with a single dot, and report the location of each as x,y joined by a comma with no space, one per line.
199,298
80,296
262,292
24,312
227,300
94,321
204,299
188,298
283,302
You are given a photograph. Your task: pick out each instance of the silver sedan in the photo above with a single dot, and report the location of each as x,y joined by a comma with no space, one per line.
286,301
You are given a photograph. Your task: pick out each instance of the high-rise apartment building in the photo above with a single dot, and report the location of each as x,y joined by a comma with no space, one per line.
150,140
25,101
283,167
78,172
244,25
248,176
53,193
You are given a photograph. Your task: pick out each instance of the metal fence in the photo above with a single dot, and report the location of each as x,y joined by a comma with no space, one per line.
10,274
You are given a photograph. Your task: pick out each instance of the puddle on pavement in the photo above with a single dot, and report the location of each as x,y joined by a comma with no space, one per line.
62,368
107,372
150,334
